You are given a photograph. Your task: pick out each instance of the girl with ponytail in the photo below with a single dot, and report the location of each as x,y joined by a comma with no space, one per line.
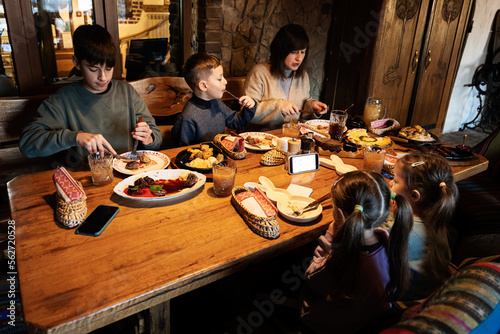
357,270
426,181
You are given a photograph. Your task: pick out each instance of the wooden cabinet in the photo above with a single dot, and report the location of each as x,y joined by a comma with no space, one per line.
416,58
405,52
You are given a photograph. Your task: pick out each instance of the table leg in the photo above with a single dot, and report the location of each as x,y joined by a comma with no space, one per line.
159,319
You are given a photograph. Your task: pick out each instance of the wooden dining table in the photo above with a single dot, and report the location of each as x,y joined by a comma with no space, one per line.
152,251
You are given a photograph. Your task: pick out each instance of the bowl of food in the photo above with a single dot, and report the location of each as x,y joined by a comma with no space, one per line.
200,158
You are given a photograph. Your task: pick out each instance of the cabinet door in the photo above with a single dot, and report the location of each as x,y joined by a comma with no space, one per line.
401,31
440,60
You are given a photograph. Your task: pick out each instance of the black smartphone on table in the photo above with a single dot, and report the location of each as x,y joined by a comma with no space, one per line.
98,220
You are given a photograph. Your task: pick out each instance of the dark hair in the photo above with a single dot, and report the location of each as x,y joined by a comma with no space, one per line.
198,67
425,173
291,37
370,190
94,44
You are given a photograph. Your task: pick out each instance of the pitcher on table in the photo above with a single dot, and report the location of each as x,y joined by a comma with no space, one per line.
374,109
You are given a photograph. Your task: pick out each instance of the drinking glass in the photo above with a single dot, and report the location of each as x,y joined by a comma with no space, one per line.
224,173
374,109
373,158
101,168
290,130
338,119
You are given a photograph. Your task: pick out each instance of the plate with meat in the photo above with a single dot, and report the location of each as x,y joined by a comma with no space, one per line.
160,185
146,161
259,141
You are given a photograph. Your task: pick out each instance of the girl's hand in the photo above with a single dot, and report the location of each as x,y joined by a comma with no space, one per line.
143,133
247,102
319,107
289,108
94,143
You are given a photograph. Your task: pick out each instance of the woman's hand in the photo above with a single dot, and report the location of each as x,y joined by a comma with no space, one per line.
319,107
289,108
94,143
143,133
247,101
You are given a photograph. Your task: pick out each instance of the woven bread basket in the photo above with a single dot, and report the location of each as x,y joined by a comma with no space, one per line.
274,157
266,227
235,155
71,214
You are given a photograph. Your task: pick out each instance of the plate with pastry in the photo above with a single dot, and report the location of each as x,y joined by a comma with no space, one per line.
200,158
259,141
146,161
362,138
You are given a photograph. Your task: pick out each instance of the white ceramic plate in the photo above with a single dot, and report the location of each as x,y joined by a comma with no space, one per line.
162,162
261,135
285,209
167,174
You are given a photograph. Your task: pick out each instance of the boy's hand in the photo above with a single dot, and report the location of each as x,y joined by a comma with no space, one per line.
319,107
143,133
247,101
94,143
289,108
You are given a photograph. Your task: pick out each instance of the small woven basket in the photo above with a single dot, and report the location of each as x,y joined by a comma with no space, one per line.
266,227
71,214
235,155
274,157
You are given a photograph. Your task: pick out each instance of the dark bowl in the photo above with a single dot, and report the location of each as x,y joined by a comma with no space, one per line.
183,158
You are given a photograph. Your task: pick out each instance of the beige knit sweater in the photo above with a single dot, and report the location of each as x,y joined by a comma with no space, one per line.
266,89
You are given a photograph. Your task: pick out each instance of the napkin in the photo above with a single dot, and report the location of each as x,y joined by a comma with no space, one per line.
297,190
66,186
234,144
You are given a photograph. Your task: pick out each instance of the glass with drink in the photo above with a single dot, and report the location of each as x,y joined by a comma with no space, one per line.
374,109
224,173
373,158
338,119
101,168
290,130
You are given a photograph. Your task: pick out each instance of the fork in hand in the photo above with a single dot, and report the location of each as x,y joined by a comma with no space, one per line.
133,154
237,98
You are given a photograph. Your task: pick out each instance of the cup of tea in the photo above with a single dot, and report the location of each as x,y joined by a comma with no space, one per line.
290,130
101,168
374,109
223,174
338,119
373,158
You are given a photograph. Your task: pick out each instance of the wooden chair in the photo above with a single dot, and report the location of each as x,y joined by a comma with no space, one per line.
165,98
15,113
235,85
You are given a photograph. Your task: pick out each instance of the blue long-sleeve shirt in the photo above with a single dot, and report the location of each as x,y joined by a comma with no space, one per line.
201,120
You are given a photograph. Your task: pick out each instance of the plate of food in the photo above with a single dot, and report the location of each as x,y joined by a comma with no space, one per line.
286,209
361,137
259,141
160,184
320,127
417,135
146,161
200,158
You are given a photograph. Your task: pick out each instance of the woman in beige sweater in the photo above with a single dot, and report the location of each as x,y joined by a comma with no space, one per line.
281,86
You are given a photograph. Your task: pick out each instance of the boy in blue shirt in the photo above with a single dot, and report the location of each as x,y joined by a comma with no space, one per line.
205,115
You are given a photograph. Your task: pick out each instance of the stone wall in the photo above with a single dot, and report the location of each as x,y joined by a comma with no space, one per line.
240,32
